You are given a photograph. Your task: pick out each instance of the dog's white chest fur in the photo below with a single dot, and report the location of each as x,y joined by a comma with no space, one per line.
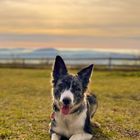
69,125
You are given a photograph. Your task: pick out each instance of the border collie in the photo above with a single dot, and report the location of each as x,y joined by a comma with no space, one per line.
73,107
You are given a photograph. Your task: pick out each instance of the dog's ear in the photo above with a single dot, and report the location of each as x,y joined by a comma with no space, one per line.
85,74
59,69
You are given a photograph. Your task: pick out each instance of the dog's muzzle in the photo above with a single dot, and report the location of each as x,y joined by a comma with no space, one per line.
65,108
66,101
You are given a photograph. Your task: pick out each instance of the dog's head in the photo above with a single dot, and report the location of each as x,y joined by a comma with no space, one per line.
68,90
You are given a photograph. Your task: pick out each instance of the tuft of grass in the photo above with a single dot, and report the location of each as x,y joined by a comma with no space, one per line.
25,104
5,133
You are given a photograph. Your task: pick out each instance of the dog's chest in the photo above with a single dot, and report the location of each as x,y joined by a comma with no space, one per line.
70,124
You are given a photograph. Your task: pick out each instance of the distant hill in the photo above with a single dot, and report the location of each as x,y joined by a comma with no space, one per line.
42,53
46,50
51,53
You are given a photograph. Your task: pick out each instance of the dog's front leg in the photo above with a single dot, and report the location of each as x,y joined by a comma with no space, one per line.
54,136
83,136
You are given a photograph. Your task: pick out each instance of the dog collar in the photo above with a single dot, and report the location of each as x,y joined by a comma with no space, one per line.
55,108
79,109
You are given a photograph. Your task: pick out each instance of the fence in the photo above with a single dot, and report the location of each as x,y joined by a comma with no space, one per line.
101,63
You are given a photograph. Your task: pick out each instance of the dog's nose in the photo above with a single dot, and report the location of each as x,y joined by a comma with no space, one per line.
66,101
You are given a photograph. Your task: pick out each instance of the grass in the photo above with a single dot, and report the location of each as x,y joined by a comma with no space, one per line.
25,104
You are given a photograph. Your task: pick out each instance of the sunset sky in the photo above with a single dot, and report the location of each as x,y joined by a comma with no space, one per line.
113,24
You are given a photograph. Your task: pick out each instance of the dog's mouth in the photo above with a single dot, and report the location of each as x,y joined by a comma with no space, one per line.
65,109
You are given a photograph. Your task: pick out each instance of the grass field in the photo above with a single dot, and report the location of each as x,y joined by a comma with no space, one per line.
25,104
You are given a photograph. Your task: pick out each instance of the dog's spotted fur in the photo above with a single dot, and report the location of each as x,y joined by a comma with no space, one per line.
76,125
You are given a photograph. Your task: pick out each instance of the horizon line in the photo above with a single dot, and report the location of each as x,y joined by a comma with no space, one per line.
113,50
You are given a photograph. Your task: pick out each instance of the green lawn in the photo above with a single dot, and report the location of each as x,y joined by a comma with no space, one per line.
25,104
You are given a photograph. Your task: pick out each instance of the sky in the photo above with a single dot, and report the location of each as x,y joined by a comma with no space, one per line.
102,24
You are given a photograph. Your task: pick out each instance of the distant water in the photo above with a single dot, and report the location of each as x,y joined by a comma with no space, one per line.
73,62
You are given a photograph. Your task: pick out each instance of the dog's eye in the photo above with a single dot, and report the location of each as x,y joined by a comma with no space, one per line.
78,89
60,85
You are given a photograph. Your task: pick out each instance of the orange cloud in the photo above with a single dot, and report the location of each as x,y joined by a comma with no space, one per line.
97,19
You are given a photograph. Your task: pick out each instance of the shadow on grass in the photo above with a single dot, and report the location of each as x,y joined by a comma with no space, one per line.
98,134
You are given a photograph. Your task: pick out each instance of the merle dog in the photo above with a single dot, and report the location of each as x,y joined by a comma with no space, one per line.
73,107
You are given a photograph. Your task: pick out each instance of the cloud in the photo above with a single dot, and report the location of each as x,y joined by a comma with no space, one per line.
60,38
90,18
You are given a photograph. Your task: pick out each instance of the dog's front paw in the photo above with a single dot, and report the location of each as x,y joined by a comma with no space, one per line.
83,136
54,136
